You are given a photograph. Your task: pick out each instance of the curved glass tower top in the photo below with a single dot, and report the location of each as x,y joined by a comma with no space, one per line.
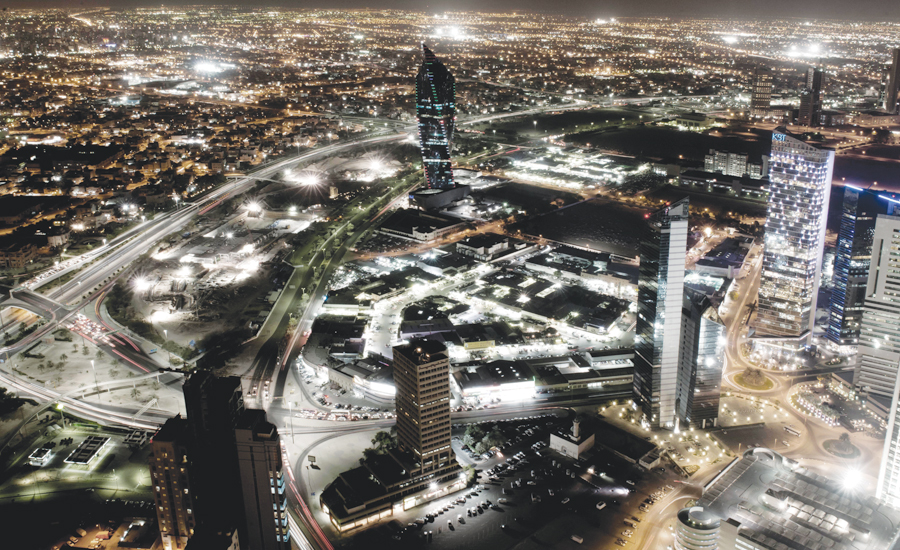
436,113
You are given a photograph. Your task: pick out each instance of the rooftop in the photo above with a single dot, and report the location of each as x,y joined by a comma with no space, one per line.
783,506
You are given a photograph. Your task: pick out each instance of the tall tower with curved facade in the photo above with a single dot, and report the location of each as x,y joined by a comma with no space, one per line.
799,191
436,114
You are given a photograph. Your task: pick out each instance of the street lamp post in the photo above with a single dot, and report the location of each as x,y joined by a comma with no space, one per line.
166,332
96,384
291,418
116,477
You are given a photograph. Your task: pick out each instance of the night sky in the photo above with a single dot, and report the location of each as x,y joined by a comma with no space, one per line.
880,10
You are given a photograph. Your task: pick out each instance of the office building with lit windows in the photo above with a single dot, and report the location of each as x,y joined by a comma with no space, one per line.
423,466
262,481
799,190
436,114
171,480
659,352
890,84
851,264
700,374
877,360
761,94
810,113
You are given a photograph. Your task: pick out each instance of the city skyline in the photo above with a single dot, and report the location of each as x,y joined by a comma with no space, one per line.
299,279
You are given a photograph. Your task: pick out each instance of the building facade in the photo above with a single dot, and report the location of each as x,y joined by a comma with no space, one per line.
658,341
706,382
422,379
696,529
170,476
799,191
262,482
890,84
213,406
851,264
879,338
810,113
761,94
436,114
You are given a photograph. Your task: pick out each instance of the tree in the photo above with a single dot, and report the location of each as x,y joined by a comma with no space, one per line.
480,448
41,366
114,372
135,393
494,438
383,442
85,351
474,434
369,453
62,360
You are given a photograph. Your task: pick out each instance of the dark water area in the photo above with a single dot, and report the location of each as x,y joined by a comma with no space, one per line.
662,142
599,224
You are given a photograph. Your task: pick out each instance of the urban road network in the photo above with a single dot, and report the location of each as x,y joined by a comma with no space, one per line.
85,292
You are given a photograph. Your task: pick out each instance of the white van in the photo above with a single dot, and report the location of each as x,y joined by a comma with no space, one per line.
577,539
601,505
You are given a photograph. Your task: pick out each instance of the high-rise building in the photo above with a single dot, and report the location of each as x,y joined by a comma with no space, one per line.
422,378
213,405
700,377
761,95
262,482
799,190
171,480
878,358
658,341
877,371
890,84
423,466
436,113
851,264
811,98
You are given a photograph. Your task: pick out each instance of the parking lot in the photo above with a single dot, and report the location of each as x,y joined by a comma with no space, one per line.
533,497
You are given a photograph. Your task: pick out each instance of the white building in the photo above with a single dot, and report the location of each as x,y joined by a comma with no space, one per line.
879,339
799,190
659,351
572,444
696,529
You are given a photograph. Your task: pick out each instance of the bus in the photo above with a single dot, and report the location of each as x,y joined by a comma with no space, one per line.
791,430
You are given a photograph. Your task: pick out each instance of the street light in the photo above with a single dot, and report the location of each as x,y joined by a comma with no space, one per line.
166,332
96,384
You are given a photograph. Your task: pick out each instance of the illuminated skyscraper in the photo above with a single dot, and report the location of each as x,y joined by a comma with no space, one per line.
877,371
170,476
436,113
658,340
811,98
799,190
761,95
879,338
262,481
851,263
890,84
422,376
700,370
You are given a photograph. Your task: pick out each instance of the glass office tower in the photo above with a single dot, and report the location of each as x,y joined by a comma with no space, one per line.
799,190
436,113
851,264
658,341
